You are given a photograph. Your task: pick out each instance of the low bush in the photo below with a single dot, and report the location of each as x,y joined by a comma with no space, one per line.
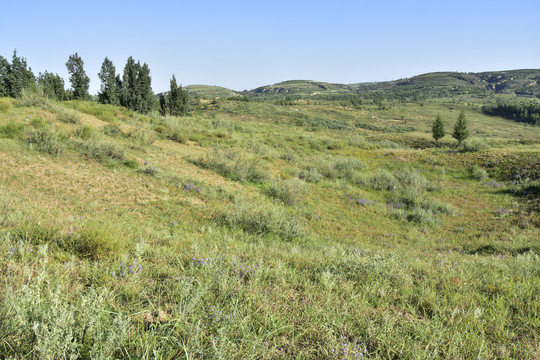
5,105
264,219
478,173
474,145
84,132
290,192
12,131
100,150
68,117
45,140
234,166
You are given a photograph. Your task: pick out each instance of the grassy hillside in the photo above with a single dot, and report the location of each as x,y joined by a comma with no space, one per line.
210,92
252,230
301,88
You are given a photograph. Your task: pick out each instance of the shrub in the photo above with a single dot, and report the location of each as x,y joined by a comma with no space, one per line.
383,180
68,117
478,173
234,166
12,131
141,135
289,192
112,130
45,140
5,105
261,220
84,132
94,240
411,180
310,174
101,150
474,145
347,167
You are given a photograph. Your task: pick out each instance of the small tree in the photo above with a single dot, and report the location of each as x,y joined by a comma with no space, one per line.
461,130
177,100
79,81
109,93
438,129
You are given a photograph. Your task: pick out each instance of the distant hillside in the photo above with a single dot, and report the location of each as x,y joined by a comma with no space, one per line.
209,91
439,84
302,88
519,82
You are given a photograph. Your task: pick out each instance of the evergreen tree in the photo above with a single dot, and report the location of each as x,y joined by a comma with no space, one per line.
18,76
461,130
53,85
109,93
163,105
129,83
177,100
136,87
79,81
145,95
437,129
4,69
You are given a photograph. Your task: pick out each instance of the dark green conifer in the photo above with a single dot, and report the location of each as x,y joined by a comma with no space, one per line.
461,130
80,82
109,93
437,129
52,85
18,76
177,100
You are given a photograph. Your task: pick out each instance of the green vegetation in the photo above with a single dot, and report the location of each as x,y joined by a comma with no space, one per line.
80,82
272,228
437,130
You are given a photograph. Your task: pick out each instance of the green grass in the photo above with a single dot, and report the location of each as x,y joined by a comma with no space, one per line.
239,233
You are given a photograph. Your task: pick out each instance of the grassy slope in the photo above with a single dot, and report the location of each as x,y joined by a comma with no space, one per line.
222,268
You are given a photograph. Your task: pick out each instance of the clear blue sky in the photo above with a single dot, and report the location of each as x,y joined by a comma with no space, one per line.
246,44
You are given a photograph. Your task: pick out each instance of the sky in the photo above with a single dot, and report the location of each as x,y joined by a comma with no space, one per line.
242,45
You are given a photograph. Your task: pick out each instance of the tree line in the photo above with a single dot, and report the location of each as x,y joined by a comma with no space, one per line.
521,112
132,89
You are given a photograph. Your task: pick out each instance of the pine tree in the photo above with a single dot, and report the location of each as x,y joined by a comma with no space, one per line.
129,83
109,93
461,130
4,69
18,76
53,85
79,81
177,100
144,87
438,130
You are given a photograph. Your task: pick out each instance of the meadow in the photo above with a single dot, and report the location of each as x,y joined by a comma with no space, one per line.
304,229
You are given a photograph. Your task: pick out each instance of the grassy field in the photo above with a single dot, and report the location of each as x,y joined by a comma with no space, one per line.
252,230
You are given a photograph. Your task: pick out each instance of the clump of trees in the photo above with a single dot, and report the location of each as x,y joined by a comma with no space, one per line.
521,112
460,133
15,77
132,89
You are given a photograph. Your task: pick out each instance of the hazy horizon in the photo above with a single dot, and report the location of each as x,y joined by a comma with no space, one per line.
242,46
